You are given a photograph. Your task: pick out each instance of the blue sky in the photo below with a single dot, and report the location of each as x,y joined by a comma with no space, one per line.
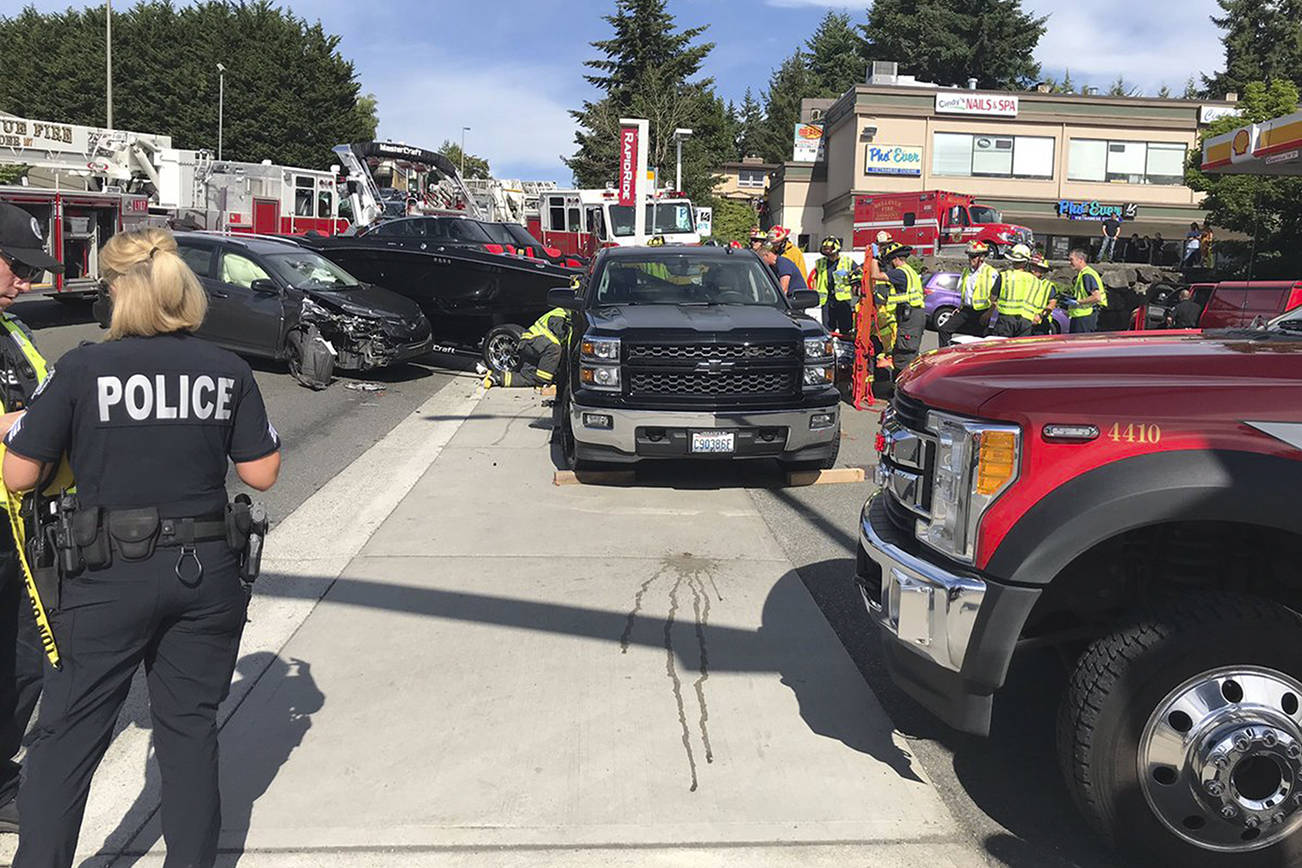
510,69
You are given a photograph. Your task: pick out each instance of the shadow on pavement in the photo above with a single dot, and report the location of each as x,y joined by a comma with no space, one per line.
285,718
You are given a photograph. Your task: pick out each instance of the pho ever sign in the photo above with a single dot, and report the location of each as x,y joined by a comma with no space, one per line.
1096,210
892,160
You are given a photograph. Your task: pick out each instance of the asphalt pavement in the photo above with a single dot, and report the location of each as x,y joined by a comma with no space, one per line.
386,496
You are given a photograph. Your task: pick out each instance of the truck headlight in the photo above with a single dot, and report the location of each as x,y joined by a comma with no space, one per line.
605,377
819,348
600,349
975,463
818,376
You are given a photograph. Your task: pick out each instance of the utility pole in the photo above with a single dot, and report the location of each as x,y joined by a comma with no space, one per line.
464,130
221,105
679,135
108,64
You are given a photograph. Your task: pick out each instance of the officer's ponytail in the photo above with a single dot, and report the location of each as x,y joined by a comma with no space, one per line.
154,291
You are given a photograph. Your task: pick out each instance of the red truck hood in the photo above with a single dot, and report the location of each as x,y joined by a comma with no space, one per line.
1188,365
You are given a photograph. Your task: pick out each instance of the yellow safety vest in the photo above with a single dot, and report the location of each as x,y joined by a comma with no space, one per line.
912,294
1079,292
1015,291
985,282
14,501
841,280
541,328
1039,299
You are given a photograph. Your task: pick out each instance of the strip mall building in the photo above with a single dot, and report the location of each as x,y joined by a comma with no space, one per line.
1056,163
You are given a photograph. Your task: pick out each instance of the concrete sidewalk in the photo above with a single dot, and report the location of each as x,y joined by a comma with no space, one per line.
511,672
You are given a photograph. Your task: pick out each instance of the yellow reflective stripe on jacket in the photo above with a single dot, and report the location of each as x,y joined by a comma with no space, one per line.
1039,299
541,329
543,375
1079,293
841,288
912,294
1015,291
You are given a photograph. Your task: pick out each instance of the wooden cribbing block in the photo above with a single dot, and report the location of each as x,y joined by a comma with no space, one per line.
594,477
547,391
826,477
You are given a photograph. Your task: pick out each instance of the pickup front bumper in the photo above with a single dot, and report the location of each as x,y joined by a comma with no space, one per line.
948,634
806,434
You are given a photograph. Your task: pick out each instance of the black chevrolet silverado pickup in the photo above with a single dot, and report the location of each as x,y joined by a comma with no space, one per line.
693,352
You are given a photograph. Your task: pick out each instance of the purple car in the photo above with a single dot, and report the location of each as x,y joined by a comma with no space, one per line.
943,297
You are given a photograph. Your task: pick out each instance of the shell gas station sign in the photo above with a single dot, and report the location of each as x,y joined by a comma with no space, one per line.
1270,148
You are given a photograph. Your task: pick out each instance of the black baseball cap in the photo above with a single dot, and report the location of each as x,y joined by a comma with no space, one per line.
21,240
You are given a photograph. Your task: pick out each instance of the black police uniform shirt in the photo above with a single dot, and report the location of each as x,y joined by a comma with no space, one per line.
148,421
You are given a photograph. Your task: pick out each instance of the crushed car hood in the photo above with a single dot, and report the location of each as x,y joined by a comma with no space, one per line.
370,301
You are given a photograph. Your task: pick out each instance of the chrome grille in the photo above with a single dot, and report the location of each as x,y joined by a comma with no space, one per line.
688,383
726,352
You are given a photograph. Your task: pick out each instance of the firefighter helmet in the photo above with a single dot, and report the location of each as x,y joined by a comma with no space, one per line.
884,237
1038,261
758,234
1019,253
893,250
656,241
778,234
830,244
977,248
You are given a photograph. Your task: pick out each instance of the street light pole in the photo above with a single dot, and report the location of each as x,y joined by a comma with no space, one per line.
464,130
108,64
679,135
221,105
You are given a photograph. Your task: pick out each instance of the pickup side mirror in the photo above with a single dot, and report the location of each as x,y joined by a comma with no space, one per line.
265,286
803,298
564,297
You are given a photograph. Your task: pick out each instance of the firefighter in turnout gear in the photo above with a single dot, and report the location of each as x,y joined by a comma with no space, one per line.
835,278
907,301
780,240
1016,286
540,352
22,260
977,286
1044,298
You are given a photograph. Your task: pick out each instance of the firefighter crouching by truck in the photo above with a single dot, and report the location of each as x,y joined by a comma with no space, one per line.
834,278
540,353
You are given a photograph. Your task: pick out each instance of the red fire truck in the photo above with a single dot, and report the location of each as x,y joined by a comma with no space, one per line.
933,222
581,222
76,223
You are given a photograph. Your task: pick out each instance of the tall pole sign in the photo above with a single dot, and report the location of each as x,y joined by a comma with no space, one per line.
632,171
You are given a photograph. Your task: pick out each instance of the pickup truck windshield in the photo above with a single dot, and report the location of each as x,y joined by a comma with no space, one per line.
683,278
662,218
985,214
307,270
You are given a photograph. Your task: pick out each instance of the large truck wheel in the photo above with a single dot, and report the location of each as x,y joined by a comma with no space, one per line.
1181,735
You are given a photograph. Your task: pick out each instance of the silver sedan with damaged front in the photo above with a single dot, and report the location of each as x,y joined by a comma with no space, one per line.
271,297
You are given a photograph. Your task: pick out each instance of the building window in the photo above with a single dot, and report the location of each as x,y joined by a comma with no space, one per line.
753,178
1126,162
992,156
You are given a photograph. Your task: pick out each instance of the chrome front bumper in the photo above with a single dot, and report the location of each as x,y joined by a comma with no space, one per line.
622,433
924,606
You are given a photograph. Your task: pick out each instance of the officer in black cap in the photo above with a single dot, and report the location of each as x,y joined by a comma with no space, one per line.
149,419
23,260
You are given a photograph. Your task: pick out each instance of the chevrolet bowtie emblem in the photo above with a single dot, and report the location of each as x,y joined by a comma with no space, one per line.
714,366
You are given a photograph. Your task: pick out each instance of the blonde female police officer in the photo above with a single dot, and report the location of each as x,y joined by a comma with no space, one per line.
148,419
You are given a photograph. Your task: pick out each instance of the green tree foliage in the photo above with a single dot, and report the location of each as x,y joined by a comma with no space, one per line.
647,72
476,167
733,220
750,126
950,41
1263,42
835,56
1270,209
1164,92
290,95
790,83
1121,87
1190,90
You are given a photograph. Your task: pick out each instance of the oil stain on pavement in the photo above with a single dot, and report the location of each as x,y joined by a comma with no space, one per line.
694,572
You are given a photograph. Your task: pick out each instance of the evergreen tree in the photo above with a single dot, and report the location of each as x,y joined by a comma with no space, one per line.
1190,90
789,84
1121,87
1068,86
647,72
750,126
290,95
950,41
835,56
1268,208
1263,42
1164,92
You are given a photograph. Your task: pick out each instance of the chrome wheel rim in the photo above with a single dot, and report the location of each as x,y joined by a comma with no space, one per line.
942,317
1220,759
503,352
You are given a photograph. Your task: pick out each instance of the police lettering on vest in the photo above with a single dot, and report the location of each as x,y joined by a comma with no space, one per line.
164,397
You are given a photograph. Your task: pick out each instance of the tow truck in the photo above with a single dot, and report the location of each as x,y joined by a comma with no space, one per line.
1130,499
